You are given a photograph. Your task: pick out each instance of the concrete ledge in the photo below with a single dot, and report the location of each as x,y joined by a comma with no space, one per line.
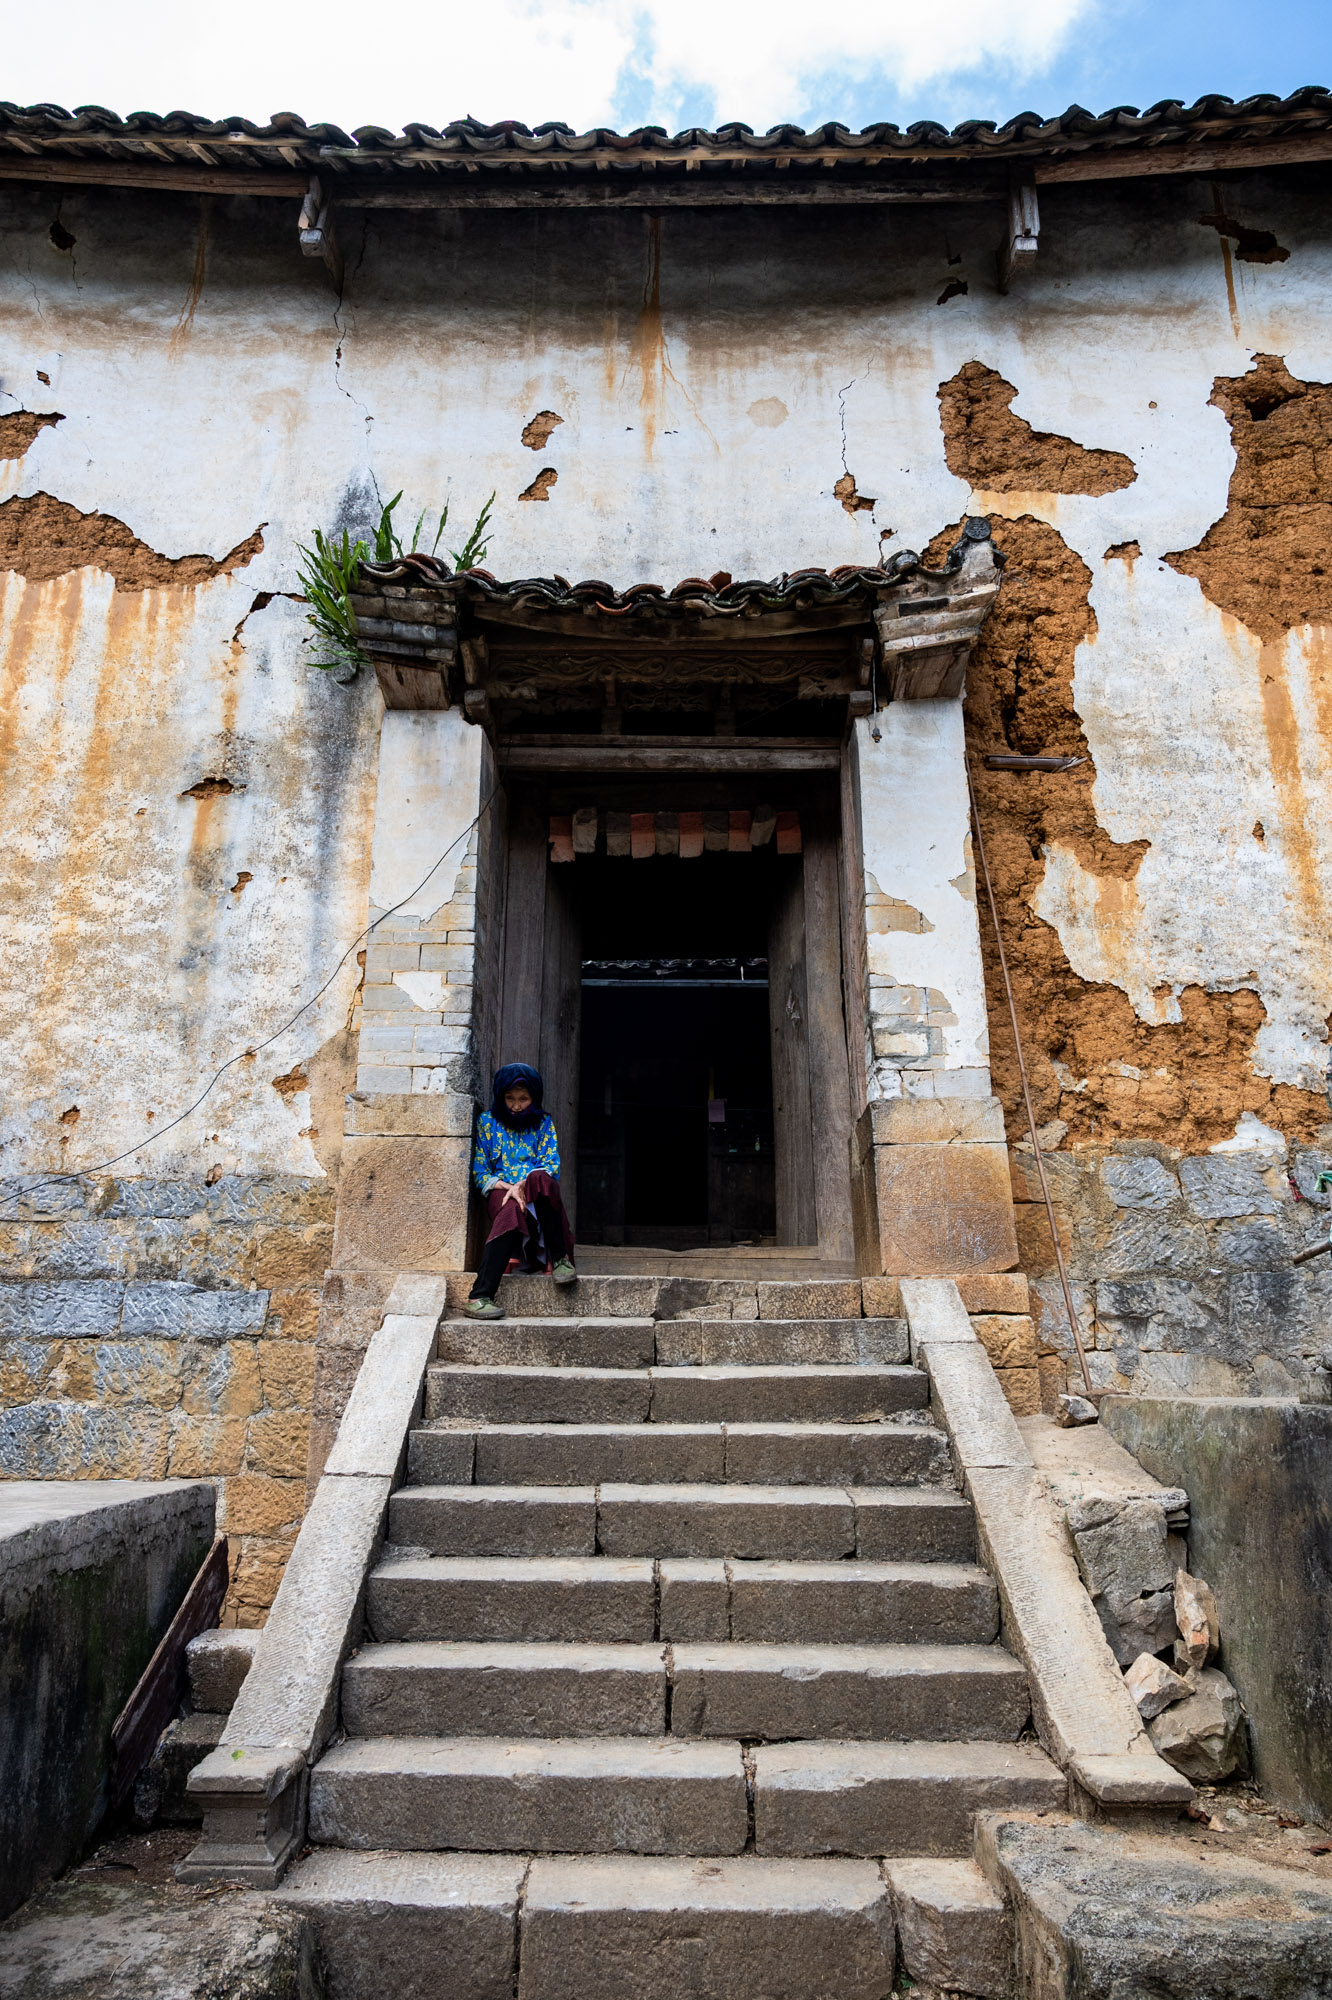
1083,1712
253,1788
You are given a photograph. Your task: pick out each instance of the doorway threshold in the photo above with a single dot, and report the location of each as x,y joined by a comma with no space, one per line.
759,1261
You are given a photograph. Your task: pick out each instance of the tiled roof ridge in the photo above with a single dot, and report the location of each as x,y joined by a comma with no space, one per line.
1310,106
720,594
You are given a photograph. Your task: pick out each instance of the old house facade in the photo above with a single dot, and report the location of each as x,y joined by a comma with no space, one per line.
931,485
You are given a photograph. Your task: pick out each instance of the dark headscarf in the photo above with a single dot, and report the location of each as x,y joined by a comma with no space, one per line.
505,1079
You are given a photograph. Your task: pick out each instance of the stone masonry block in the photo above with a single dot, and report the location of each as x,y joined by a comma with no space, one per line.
994,1291
375,1080
25,1366
274,1198
383,960
206,1447
64,1440
54,1309
287,1370
403,1204
42,1197
167,1307
130,1371
446,1115
938,1121
221,1380
277,1442
379,1038
944,1209
1220,1187
1022,1389
387,999
1008,1338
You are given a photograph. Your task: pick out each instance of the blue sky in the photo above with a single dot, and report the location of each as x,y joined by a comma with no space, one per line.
671,62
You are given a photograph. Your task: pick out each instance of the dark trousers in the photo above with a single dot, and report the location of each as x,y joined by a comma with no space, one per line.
512,1231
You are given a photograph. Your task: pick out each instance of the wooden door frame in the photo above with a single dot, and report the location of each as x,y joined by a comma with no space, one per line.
537,1001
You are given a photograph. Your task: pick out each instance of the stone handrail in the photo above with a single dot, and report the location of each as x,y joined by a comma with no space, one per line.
253,1788
1084,1714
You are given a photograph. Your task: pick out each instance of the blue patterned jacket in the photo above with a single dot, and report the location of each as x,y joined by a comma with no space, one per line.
503,1155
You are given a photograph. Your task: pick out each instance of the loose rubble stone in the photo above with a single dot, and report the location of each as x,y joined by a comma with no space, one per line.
1203,1736
1195,1614
1074,1410
1154,1685
1121,1552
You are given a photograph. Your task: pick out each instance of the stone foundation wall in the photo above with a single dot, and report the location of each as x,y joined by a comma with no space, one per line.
166,1328
1181,1265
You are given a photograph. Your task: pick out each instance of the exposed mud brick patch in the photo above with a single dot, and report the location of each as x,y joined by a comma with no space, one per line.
853,502
536,435
43,538
1093,1064
990,447
1268,560
1252,246
20,427
541,485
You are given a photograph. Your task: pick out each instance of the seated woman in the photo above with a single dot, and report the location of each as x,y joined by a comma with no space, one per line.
516,1166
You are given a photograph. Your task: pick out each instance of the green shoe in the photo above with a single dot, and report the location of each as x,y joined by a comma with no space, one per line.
483,1309
564,1272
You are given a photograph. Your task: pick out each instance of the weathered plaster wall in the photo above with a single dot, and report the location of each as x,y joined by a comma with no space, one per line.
185,831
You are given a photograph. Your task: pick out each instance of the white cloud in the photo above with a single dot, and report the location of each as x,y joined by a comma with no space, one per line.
760,58
756,60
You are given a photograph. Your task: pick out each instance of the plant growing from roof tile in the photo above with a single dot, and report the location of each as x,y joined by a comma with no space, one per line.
328,572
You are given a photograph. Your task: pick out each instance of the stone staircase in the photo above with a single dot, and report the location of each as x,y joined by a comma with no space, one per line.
680,1612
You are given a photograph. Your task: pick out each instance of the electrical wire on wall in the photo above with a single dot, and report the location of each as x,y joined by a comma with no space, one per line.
255,1048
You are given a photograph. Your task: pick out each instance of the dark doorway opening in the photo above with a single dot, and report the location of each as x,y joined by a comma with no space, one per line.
675,1116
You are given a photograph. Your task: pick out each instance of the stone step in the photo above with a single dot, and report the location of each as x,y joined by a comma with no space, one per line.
784,1394
666,1296
714,1343
954,1931
550,1343
892,1798
535,1395
425,1688
878,1454
629,1928
580,1342
512,1598
582,1795
830,1454
609,1599
538,1395
713,1519
873,1693
669,1795
776,1603
770,1693
495,1520
623,1927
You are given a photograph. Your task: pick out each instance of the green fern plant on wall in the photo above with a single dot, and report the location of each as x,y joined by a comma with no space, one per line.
329,564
